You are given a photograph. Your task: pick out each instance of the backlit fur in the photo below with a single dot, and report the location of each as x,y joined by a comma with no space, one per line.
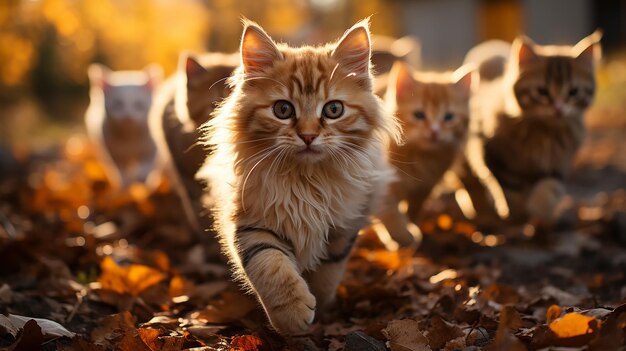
434,111
269,189
529,123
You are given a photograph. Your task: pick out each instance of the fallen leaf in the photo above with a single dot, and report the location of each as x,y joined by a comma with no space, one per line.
133,279
404,335
245,343
553,313
159,340
50,329
574,324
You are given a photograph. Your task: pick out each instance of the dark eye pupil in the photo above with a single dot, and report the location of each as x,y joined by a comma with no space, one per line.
448,117
333,109
420,115
543,91
573,92
283,109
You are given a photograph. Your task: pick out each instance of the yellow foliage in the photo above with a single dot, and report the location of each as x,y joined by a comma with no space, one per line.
574,324
132,280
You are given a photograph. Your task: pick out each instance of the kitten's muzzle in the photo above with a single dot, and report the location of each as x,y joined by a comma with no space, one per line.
308,137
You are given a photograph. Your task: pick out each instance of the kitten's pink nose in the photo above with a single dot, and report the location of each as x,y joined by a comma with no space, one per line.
559,109
308,137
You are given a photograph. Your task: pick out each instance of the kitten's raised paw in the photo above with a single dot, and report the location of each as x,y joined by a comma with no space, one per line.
295,316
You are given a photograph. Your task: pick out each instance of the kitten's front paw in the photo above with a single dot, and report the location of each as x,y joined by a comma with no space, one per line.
294,316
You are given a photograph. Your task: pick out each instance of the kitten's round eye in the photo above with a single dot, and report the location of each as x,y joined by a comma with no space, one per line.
283,109
420,115
333,109
448,117
573,92
543,92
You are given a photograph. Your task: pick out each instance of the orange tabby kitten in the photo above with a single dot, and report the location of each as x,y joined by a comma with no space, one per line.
530,125
433,109
185,102
117,122
297,168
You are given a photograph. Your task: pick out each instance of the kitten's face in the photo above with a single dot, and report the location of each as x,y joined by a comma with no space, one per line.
555,82
433,112
127,95
308,104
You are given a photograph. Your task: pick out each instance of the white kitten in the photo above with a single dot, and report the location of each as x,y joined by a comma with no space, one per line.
116,122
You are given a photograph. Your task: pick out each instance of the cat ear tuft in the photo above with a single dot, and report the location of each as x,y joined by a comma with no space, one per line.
97,74
155,75
524,49
258,51
588,51
353,50
401,80
464,80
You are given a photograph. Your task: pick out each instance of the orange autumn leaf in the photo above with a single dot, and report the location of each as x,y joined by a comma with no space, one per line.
387,259
574,324
132,280
245,343
553,313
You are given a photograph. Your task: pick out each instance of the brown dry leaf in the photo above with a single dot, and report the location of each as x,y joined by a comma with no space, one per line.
510,319
245,343
112,328
160,340
501,293
231,307
132,280
30,338
574,324
404,335
440,332
504,340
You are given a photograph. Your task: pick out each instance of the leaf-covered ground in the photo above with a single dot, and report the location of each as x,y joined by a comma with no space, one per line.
85,268
122,272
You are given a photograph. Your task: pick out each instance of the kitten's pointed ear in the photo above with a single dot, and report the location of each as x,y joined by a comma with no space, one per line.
258,51
192,67
464,80
588,51
155,75
97,74
401,80
524,49
354,49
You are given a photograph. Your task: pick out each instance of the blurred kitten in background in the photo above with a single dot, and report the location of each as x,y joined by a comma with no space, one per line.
183,103
527,126
117,122
433,109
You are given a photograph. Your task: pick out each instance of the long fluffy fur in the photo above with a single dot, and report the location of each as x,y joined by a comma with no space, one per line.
311,207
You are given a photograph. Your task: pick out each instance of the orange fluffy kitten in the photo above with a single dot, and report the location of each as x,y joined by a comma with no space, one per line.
182,104
529,125
298,165
433,109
